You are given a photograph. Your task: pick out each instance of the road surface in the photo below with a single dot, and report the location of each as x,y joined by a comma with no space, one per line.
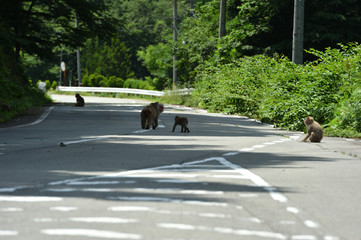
93,173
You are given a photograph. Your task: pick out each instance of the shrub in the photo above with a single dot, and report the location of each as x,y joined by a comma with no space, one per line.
139,84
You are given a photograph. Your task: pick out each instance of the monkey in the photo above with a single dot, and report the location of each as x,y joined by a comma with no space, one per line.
183,121
79,101
314,130
150,114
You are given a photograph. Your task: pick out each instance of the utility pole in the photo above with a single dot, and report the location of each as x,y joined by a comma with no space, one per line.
175,33
298,26
191,7
78,56
222,19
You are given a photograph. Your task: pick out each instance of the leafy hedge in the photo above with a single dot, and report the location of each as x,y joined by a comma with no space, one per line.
16,93
98,80
276,90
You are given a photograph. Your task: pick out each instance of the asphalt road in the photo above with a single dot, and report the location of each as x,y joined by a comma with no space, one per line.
93,173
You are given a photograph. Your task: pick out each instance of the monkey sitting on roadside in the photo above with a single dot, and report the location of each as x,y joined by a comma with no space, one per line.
150,114
183,122
314,130
79,101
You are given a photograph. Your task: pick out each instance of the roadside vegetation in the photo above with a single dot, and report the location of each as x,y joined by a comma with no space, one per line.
247,72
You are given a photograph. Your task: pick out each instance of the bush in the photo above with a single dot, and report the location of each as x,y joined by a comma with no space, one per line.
112,81
54,85
47,85
275,89
139,84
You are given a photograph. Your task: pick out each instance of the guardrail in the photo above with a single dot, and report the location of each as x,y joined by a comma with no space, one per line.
123,90
111,90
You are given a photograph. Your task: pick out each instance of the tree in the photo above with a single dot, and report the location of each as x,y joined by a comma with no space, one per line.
37,26
108,59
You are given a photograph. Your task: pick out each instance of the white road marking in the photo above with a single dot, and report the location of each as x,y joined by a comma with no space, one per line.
129,208
39,120
103,220
13,189
29,199
90,233
11,209
311,224
94,183
293,210
8,233
63,209
84,140
303,237
241,232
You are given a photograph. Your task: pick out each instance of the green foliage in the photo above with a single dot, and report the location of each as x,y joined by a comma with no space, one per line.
107,59
54,85
158,60
233,88
97,80
139,84
36,27
329,89
47,85
16,93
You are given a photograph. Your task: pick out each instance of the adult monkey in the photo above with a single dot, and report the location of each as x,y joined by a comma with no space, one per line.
150,114
314,130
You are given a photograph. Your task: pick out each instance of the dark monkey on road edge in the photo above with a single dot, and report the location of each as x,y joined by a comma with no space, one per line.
181,121
314,130
79,101
150,114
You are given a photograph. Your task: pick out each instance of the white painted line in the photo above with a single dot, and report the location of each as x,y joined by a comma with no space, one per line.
44,220
247,195
90,233
303,237
311,224
11,189
102,220
244,232
39,120
203,203
63,209
331,238
293,210
146,199
8,233
78,190
240,232
84,140
257,180
129,208
11,209
94,183
29,199
142,131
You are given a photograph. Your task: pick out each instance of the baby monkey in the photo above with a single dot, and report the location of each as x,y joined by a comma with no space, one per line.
314,130
183,121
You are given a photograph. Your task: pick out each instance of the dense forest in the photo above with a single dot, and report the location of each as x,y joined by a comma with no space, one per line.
129,43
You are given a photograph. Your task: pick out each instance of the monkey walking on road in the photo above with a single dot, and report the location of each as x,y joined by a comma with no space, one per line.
314,130
150,114
183,122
